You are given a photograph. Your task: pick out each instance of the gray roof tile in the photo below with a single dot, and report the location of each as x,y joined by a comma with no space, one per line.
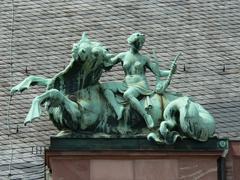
207,32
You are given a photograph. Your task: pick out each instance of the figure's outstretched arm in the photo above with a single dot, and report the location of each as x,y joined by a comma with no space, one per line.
162,86
154,67
112,60
30,81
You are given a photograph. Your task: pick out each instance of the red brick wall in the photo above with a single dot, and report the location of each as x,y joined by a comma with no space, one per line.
233,161
133,165
176,166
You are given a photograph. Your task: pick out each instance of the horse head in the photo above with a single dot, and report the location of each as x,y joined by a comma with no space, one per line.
91,57
81,50
89,52
85,68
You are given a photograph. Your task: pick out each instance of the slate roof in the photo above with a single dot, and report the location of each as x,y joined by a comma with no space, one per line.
206,32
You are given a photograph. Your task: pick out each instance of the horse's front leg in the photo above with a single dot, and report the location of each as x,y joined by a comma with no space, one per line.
56,98
35,110
167,133
30,81
170,122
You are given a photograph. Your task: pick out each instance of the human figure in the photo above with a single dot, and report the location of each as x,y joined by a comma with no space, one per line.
135,83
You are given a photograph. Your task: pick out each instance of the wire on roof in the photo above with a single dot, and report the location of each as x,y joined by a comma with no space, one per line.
10,97
10,165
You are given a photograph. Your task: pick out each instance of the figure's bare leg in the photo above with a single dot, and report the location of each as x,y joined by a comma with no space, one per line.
108,90
131,95
30,81
57,99
112,100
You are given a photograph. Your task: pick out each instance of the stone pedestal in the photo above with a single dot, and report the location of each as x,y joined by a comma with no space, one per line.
132,159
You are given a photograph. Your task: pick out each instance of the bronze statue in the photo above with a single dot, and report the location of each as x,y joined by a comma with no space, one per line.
135,83
77,102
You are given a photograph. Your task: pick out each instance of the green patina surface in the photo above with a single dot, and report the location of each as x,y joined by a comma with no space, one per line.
78,103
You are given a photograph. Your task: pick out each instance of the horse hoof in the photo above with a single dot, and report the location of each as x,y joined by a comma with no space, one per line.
172,137
153,137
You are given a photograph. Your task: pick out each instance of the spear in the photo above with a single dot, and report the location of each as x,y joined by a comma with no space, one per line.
174,63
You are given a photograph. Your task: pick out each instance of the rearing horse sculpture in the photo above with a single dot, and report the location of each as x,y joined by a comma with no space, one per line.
75,102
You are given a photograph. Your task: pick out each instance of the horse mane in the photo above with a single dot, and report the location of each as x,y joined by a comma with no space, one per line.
80,73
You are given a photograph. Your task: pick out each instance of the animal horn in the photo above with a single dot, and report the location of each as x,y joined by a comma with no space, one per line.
84,37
